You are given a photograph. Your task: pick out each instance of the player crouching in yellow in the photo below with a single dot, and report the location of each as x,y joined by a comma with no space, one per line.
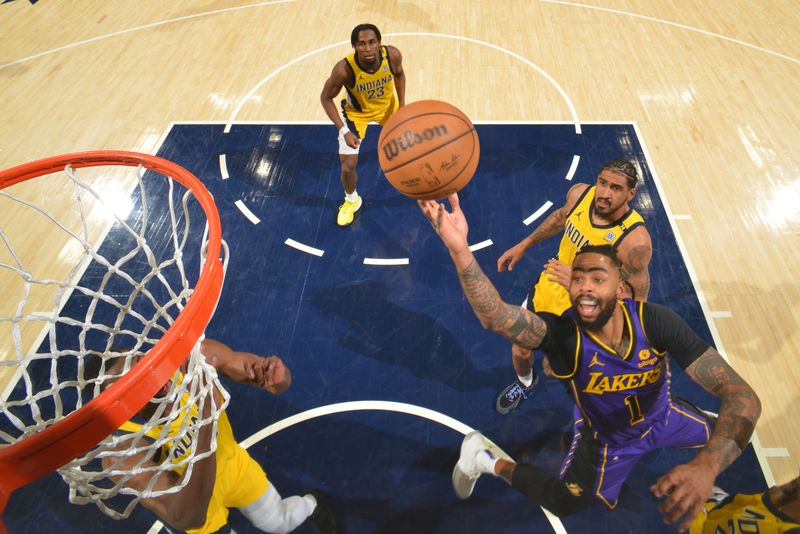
229,478
776,511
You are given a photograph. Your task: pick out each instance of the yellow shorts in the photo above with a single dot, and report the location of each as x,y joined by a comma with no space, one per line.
240,481
358,121
547,296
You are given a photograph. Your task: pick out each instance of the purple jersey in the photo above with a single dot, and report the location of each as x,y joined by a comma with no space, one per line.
621,396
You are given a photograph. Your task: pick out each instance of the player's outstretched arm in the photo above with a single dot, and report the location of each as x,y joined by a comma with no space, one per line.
554,223
268,372
687,486
516,324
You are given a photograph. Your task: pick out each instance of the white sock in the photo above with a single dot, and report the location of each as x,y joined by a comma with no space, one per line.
486,461
527,380
352,197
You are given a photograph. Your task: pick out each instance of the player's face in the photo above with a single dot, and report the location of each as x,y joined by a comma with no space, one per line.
367,47
611,192
594,288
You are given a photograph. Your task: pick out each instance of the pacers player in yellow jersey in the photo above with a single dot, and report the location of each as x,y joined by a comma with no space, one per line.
229,478
592,215
370,75
776,511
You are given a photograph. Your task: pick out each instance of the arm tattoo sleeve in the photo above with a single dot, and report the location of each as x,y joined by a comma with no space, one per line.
512,322
634,270
554,223
738,413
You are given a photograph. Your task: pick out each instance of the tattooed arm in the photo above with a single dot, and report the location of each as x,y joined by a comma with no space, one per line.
687,486
635,252
516,324
553,224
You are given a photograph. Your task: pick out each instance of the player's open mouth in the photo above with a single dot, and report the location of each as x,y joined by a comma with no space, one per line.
587,306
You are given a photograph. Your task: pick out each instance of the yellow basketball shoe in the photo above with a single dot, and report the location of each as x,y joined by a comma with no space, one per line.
347,211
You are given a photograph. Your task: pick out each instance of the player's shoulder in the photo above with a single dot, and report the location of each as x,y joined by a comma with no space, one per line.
395,57
575,193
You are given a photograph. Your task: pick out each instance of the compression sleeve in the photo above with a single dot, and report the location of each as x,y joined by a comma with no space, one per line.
559,343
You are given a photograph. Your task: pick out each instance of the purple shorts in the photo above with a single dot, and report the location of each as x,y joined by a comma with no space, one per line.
592,465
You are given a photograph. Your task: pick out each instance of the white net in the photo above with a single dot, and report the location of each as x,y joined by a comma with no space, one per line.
76,316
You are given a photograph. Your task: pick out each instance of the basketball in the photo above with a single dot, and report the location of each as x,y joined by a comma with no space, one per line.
428,149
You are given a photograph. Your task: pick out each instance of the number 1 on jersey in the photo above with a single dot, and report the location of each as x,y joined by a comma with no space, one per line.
632,402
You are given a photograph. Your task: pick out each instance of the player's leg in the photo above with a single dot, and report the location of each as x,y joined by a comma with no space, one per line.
522,360
348,157
246,487
687,426
480,456
595,470
274,514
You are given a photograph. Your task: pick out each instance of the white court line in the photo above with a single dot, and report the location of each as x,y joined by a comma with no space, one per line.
385,261
538,213
573,167
762,460
223,167
721,314
305,248
675,24
481,245
575,120
137,28
779,452
247,213
681,217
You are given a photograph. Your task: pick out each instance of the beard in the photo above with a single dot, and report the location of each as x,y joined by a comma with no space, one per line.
606,311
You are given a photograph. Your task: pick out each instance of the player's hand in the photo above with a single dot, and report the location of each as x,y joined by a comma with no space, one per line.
351,140
510,258
685,488
546,369
558,272
268,373
450,226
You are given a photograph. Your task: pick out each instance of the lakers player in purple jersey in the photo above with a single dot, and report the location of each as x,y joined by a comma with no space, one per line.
370,76
610,354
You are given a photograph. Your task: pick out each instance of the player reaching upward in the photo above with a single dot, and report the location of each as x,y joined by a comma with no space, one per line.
370,75
592,215
610,354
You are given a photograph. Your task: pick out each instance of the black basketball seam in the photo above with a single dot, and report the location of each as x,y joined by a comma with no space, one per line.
433,150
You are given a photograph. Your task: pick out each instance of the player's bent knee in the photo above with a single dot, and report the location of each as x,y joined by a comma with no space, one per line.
547,491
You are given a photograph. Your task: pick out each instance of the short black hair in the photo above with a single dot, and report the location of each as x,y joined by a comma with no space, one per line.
360,28
624,167
604,250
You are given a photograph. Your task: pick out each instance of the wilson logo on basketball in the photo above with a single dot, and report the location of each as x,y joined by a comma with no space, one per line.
408,139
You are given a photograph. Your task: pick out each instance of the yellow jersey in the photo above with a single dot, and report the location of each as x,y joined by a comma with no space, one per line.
240,480
743,514
579,231
372,97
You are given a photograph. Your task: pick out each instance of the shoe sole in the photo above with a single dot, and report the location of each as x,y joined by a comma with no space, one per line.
463,484
353,219
516,403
